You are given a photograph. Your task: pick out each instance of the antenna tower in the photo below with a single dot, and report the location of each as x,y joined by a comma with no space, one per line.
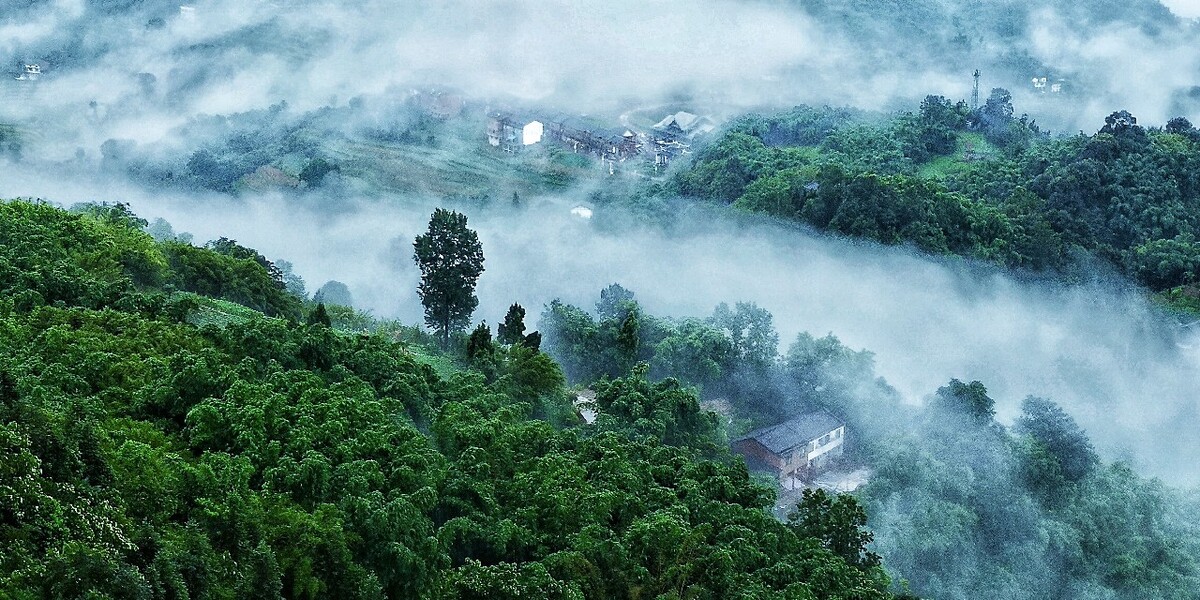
975,93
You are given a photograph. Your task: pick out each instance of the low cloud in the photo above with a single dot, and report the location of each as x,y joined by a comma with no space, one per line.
1126,373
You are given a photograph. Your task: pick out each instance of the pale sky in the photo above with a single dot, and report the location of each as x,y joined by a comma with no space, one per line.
1184,8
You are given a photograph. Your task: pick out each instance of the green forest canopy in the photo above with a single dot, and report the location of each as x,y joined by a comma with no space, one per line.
147,457
977,183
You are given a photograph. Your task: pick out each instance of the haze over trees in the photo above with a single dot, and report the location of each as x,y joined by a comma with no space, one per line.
982,184
958,505
161,444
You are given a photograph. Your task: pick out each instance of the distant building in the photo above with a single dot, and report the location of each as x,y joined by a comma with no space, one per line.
511,133
684,125
439,104
673,134
584,137
1044,85
30,73
797,448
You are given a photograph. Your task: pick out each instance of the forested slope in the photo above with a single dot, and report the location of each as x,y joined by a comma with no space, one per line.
960,506
979,183
146,457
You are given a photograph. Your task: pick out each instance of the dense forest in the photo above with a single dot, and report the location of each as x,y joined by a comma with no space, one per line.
980,183
186,422
960,506
186,419
161,441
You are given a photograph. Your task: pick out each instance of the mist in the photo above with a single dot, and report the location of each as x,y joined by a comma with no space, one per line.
139,70
1126,372
132,90
148,72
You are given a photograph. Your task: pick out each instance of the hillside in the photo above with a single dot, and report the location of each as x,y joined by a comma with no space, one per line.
148,457
978,183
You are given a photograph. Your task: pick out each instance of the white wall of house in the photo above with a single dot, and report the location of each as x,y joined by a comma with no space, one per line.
532,132
827,443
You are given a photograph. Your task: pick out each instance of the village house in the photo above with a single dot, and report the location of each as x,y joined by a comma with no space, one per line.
511,132
684,125
795,449
31,73
673,134
584,137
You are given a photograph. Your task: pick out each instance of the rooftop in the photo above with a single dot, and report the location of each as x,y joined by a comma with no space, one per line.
794,432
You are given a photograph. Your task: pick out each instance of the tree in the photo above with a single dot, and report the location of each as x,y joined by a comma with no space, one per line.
627,341
839,522
969,399
1118,122
533,341
451,259
319,316
480,342
512,330
316,170
293,282
334,292
1179,125
1054,429
614,302
750,332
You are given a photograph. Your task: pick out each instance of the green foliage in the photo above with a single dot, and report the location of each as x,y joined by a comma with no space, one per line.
334,293
983,184
957,506
839,522
319,316
967,511
316,170
664,411
1055,430
451,259
512,329
48,256
146,457
235,276
751,334
969,400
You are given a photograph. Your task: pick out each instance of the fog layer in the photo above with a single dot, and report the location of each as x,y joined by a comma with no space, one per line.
119,69
1100,350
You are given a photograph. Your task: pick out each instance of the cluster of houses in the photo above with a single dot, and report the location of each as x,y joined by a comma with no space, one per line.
438,103
31,73
670,138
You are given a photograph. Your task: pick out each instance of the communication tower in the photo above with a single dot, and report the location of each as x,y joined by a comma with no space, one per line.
975,93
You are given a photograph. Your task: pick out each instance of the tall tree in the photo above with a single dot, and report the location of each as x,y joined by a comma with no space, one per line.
451,259
512,330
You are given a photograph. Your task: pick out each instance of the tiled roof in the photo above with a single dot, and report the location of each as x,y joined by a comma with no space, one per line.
795,432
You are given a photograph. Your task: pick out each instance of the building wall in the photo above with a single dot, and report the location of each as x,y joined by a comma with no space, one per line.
803,461
752,448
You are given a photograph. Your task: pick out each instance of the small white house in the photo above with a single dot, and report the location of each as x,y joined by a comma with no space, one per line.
512,133
531,133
